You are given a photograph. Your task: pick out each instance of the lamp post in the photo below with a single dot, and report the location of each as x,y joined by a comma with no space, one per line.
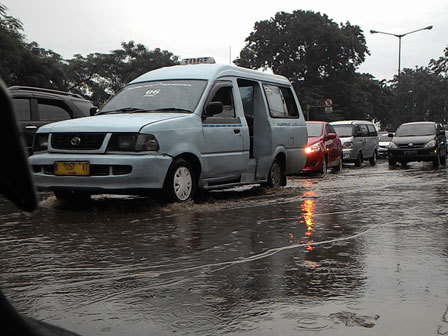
399,41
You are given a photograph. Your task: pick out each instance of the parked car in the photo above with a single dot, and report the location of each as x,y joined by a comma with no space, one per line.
324,148
383,145
418,141
35,107
174,130
359,141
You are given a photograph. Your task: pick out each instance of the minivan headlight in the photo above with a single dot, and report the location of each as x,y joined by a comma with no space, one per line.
133,143
348,145
393,145
40,142
430,144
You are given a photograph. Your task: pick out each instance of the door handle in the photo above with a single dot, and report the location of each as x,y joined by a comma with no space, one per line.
30,127
236,130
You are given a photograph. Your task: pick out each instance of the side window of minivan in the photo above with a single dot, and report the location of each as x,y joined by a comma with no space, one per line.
281,102
372,130
363,130
225,96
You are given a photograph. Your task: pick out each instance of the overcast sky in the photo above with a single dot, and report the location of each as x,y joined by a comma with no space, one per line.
194,28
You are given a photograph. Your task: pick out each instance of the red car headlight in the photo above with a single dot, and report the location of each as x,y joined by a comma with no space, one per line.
312,149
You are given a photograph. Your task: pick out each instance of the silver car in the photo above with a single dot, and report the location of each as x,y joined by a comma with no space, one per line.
359,141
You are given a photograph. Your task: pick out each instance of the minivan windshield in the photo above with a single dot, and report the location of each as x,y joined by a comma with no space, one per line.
415,130
314,130
160,96
343,130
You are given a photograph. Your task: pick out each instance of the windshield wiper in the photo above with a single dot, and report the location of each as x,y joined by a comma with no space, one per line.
124,110
174,109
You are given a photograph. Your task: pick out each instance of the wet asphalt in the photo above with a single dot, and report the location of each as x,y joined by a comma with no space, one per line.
361,252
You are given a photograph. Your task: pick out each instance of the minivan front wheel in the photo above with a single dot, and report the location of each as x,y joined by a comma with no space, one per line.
359,160
180,182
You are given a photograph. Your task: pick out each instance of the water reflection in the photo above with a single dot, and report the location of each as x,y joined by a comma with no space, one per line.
308,217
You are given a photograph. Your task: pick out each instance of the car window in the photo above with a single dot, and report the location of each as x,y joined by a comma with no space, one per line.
22,108
415,130
364,131
52,110
343,130
84,106
372,130
281,102
160,96
314,129
225,96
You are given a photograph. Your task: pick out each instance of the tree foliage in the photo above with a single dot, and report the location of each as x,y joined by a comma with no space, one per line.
100,75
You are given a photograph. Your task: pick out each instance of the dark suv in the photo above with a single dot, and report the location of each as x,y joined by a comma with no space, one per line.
35,107
418,141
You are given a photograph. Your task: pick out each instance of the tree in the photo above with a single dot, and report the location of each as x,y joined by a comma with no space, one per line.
97,76
11,44
316,54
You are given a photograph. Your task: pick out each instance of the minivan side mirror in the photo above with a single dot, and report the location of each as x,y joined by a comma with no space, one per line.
214,108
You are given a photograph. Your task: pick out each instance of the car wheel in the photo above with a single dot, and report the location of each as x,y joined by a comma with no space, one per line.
373,159
338,168
392,162
323,169
71,195
180,182
359,160
276,177
436,161
443,159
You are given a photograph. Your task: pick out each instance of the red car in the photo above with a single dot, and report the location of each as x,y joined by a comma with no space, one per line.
324,148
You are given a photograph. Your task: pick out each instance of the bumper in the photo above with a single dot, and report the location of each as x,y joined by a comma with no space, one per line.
313,162
349,155
423,154
382,152
109,173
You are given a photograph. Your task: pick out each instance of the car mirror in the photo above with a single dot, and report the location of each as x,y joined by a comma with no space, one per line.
214,108
442,132
390,135
93,110
331,136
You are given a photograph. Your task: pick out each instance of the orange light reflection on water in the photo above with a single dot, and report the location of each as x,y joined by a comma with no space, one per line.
308,216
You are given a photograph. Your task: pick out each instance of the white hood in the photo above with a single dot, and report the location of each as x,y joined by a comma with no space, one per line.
123,122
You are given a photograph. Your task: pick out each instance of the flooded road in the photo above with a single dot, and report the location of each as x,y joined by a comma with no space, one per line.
362,252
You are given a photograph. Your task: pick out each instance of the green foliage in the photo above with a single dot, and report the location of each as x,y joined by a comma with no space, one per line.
318,56
97,76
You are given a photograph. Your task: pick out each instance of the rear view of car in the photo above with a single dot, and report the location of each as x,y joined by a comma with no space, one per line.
384,141
418,141
324,148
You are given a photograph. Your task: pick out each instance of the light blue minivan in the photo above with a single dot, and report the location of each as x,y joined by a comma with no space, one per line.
177,129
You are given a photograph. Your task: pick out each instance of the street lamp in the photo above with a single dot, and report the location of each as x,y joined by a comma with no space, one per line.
399,41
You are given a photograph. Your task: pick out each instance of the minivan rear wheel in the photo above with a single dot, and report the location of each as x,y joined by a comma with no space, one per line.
373,159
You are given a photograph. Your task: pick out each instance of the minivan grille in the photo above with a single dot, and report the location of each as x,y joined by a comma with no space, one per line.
76,141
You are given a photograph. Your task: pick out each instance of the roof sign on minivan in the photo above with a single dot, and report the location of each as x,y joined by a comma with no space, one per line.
198,60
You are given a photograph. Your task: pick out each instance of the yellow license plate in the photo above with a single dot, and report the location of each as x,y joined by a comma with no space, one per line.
72,168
